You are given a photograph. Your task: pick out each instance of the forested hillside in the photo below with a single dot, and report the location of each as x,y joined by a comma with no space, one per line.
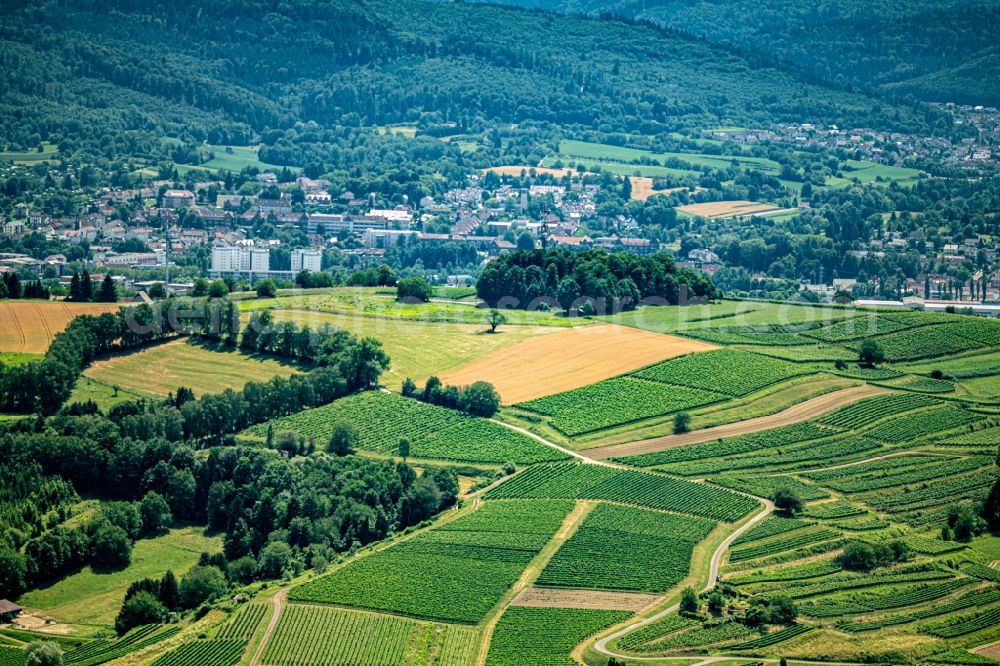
114,77
938,50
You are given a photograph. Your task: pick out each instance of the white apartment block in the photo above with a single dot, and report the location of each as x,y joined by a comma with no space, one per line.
235,259
307,260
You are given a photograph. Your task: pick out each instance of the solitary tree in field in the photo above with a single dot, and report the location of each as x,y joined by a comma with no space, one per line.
496,319
682,422
871,353
44,653
267,289
404,448
343,438
786,500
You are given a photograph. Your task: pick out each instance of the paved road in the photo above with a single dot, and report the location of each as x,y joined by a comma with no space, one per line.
713,572
801,412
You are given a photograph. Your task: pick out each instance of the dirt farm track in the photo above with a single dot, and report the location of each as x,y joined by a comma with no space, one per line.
28,326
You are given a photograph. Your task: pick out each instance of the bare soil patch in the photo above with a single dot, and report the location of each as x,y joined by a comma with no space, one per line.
541,597
570,359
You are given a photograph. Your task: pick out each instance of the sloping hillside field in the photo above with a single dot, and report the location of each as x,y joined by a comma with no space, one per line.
569,359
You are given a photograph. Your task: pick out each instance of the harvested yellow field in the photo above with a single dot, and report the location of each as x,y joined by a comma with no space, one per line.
724,209
518,170
28,326
570,359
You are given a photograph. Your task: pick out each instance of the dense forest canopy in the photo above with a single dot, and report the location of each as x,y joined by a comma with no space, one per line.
938,50
117,76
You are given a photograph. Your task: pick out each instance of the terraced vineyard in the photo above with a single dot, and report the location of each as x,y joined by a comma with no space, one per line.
383,419
907,475
244,623
735,373
922,424
615,402
930,341
204,653
757,441
10,656
640,551
868,411
971,600
544,636
783,542
454,573
100,651
573,481
317,635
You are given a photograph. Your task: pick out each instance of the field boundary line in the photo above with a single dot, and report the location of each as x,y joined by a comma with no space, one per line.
538,438
803,411
571,523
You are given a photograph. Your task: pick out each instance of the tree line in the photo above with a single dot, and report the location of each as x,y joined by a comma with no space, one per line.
590,281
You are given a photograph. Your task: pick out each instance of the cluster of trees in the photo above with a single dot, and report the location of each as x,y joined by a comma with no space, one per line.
104,542
83,290
478,399
44,386
863,556
278,514
382,276
761,611
360,360
12,287
964,522
593,281
414,289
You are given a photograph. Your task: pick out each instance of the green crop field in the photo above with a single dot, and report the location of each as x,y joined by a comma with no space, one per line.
734,373
573,481
318,635
544,636
615,402
204,653
383,419
641,551
454,573
101,650
244,622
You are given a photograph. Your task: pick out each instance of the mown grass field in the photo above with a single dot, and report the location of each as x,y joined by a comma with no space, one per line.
94,598
163,368
381,302
419,349
28,326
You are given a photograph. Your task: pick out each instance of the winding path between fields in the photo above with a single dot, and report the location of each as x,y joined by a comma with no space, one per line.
552,445
279,603
800,412
713,573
